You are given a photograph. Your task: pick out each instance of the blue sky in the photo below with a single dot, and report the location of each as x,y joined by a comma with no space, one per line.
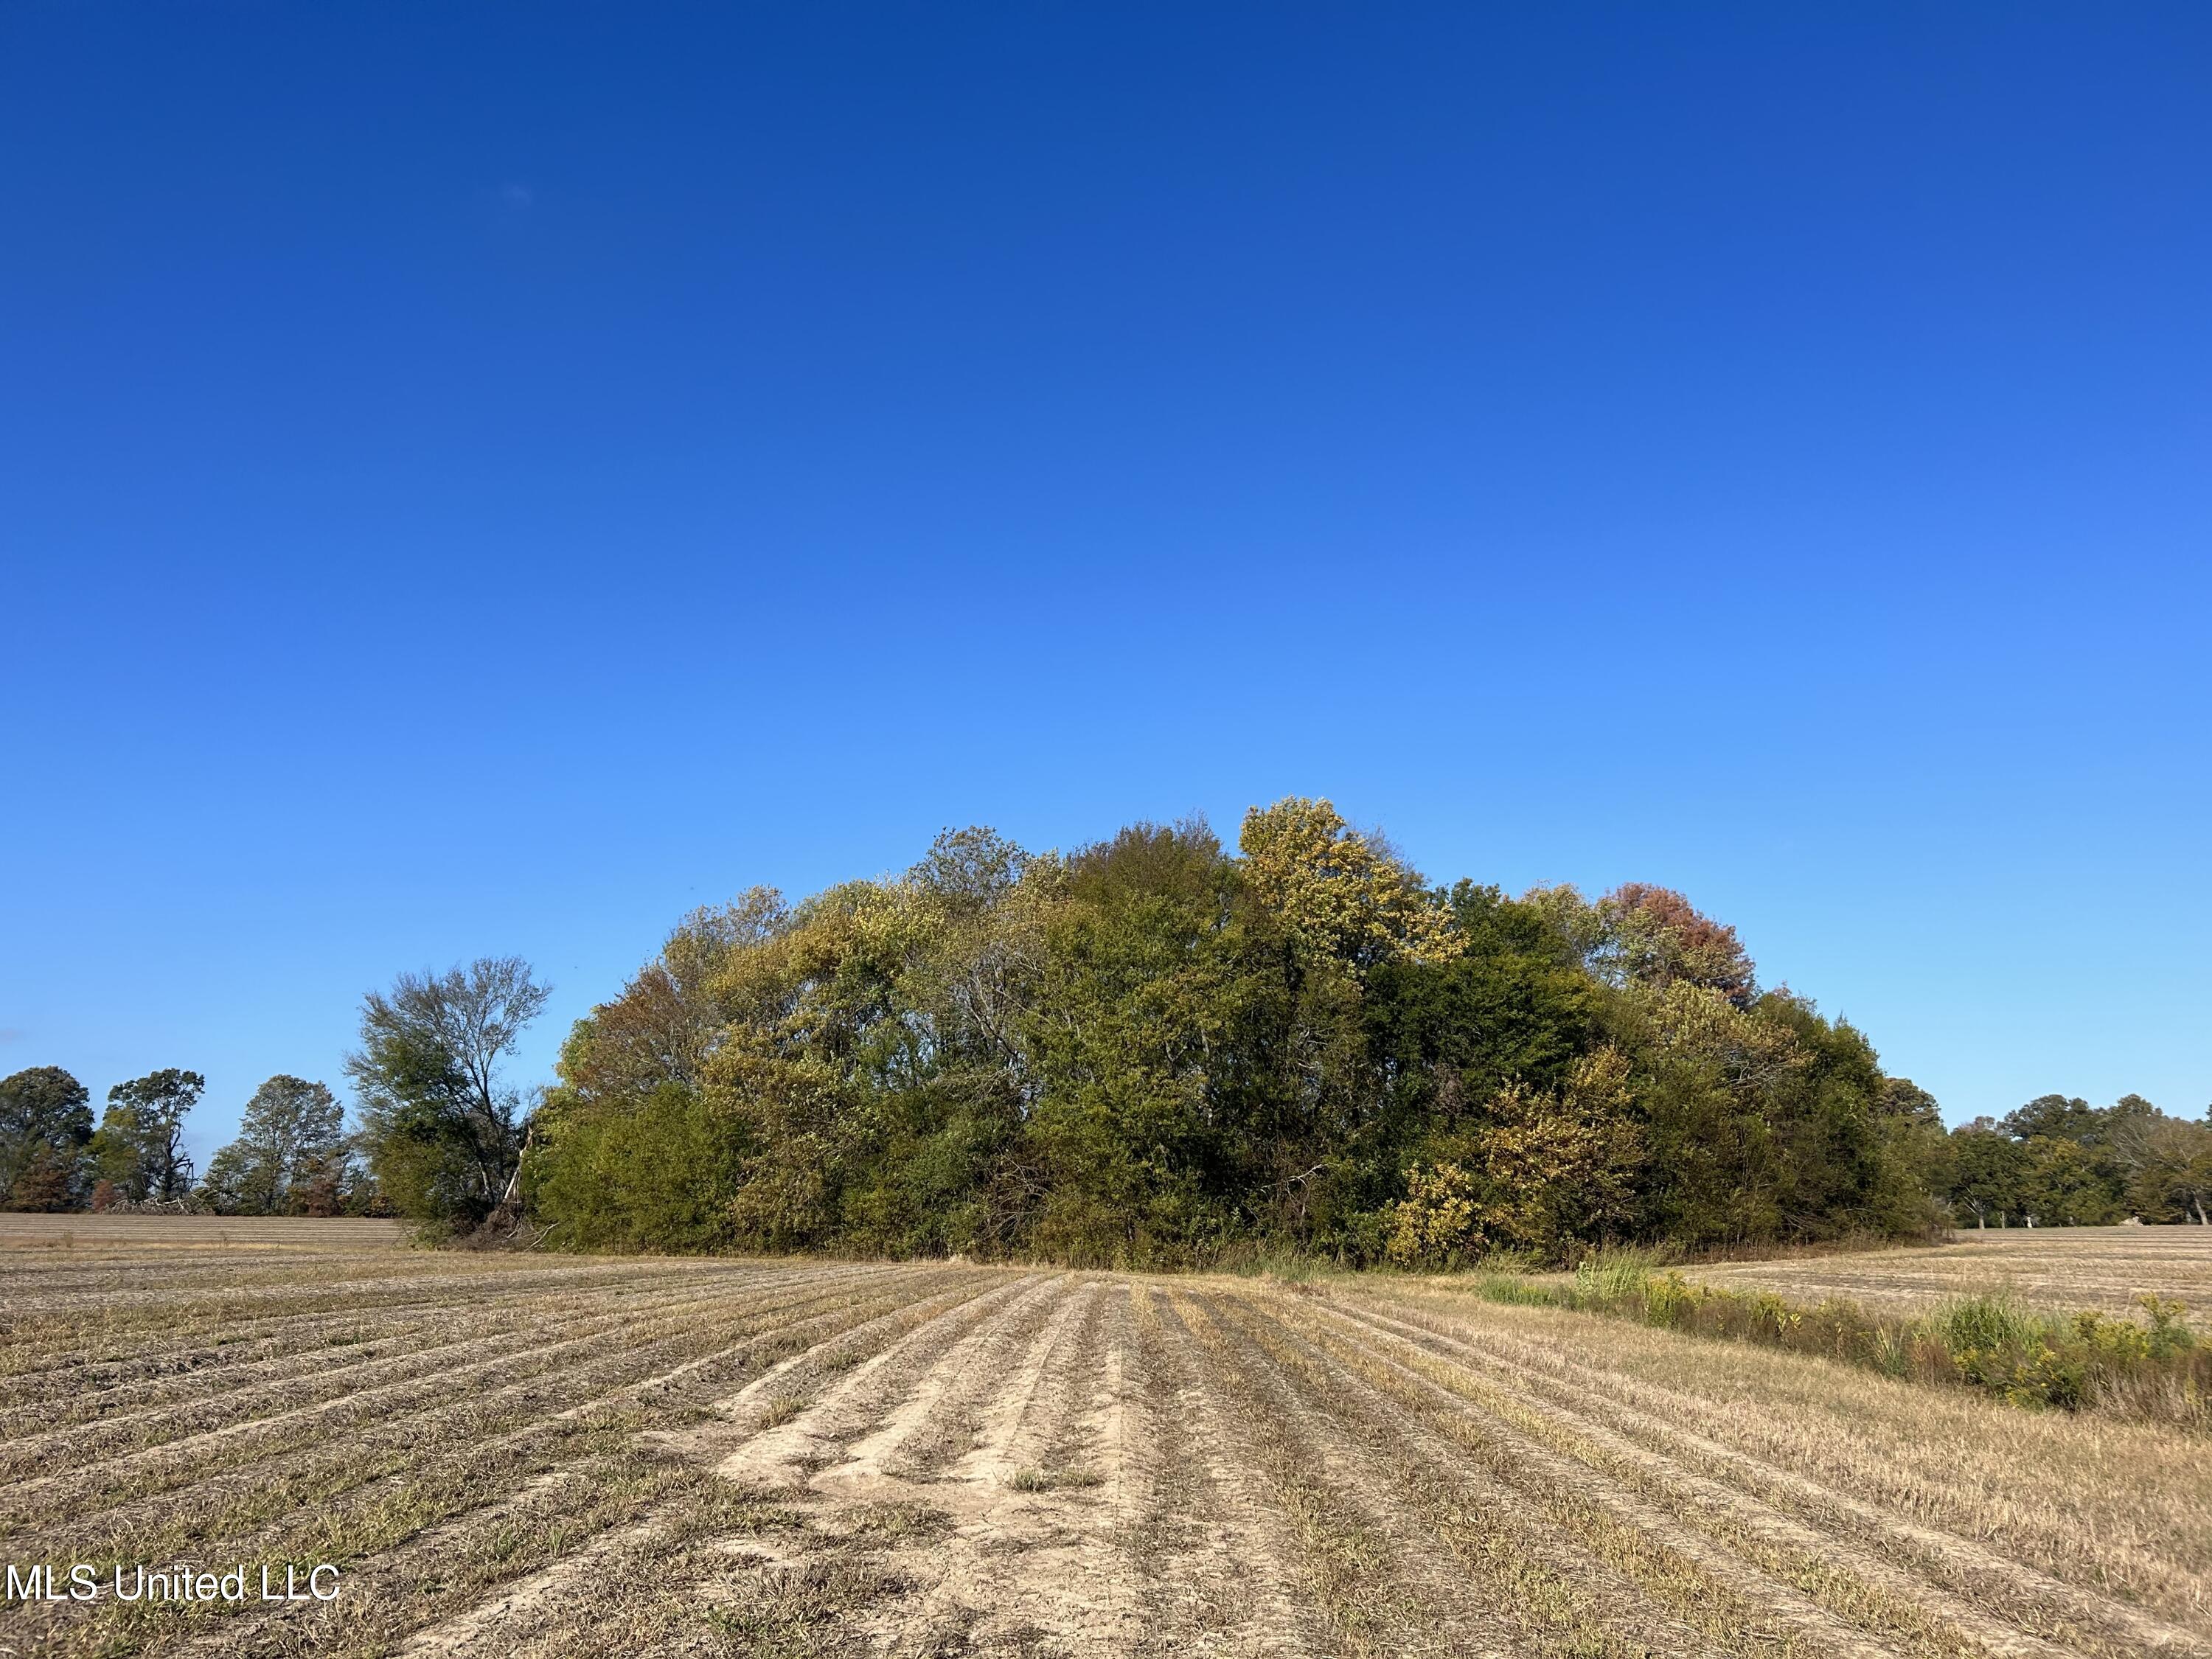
484,479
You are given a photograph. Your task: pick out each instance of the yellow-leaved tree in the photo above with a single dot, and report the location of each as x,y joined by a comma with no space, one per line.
1338,893
1548,1167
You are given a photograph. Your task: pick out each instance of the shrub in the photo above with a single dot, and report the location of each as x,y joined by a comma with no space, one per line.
1984,1323
2153,1369
1434,1226
1609,1280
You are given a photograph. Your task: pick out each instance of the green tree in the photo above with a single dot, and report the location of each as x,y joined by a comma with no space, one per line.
45,1123
1507,1019
1137,1129
661,1172
2068,1184
289,1153
1448,1034
2071,1175
2168,1163
441,1128
1988,1173
2056,1117
1541,1171
1919,1145
139,1146
1710,1074
1157,1050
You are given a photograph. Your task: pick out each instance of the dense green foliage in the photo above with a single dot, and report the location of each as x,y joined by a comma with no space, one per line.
138,1150
45,1123
2060,1162
1155,1050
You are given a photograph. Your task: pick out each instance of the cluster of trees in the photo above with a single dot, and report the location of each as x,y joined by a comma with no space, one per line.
292,1156
52,1157
438,1134
1153,1050
2061,1162
1156,1049
441,1131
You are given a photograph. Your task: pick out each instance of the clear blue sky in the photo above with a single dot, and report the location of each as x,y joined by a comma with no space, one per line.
487,478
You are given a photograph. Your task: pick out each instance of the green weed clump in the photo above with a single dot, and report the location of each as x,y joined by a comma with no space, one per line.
1611,1280
2157,1368
2048,1360
1515,1288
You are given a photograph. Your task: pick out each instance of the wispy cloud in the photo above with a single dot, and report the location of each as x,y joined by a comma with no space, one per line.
10,1034
517,197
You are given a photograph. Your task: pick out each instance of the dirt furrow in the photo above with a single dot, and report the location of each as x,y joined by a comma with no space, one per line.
1384,1582
529,1396
994,1370
804,1435
1037,1553
498,1540
192,1375
1030,1428
2002,1605
73,1355
235,1443
1575,1578
1818,1595
149,1317
1211,1548
493,1622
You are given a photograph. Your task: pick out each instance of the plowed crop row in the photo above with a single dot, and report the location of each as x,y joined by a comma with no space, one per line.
526,1455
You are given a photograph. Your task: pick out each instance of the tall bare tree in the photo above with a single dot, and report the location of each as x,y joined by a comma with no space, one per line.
441,1128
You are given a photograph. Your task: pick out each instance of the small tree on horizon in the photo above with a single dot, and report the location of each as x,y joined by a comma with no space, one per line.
291,1145
140,1144
45,1123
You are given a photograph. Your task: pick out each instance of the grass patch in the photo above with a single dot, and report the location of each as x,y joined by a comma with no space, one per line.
2156,1369
780,1408
897,1522
801,1611
1061,1479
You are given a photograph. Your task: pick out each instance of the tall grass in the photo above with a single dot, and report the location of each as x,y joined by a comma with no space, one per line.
1616,1274
2157,1369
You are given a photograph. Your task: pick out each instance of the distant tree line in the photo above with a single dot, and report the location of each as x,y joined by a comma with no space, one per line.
1152,1050
292,1157
438,1134
2059,1162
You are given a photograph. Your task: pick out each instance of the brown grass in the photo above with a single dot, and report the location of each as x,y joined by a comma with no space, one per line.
538,1456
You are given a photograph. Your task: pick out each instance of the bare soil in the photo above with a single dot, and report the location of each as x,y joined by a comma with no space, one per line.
568,1456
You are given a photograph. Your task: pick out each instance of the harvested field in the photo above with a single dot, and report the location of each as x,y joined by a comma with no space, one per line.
69,1232
544,1456
2062,1268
